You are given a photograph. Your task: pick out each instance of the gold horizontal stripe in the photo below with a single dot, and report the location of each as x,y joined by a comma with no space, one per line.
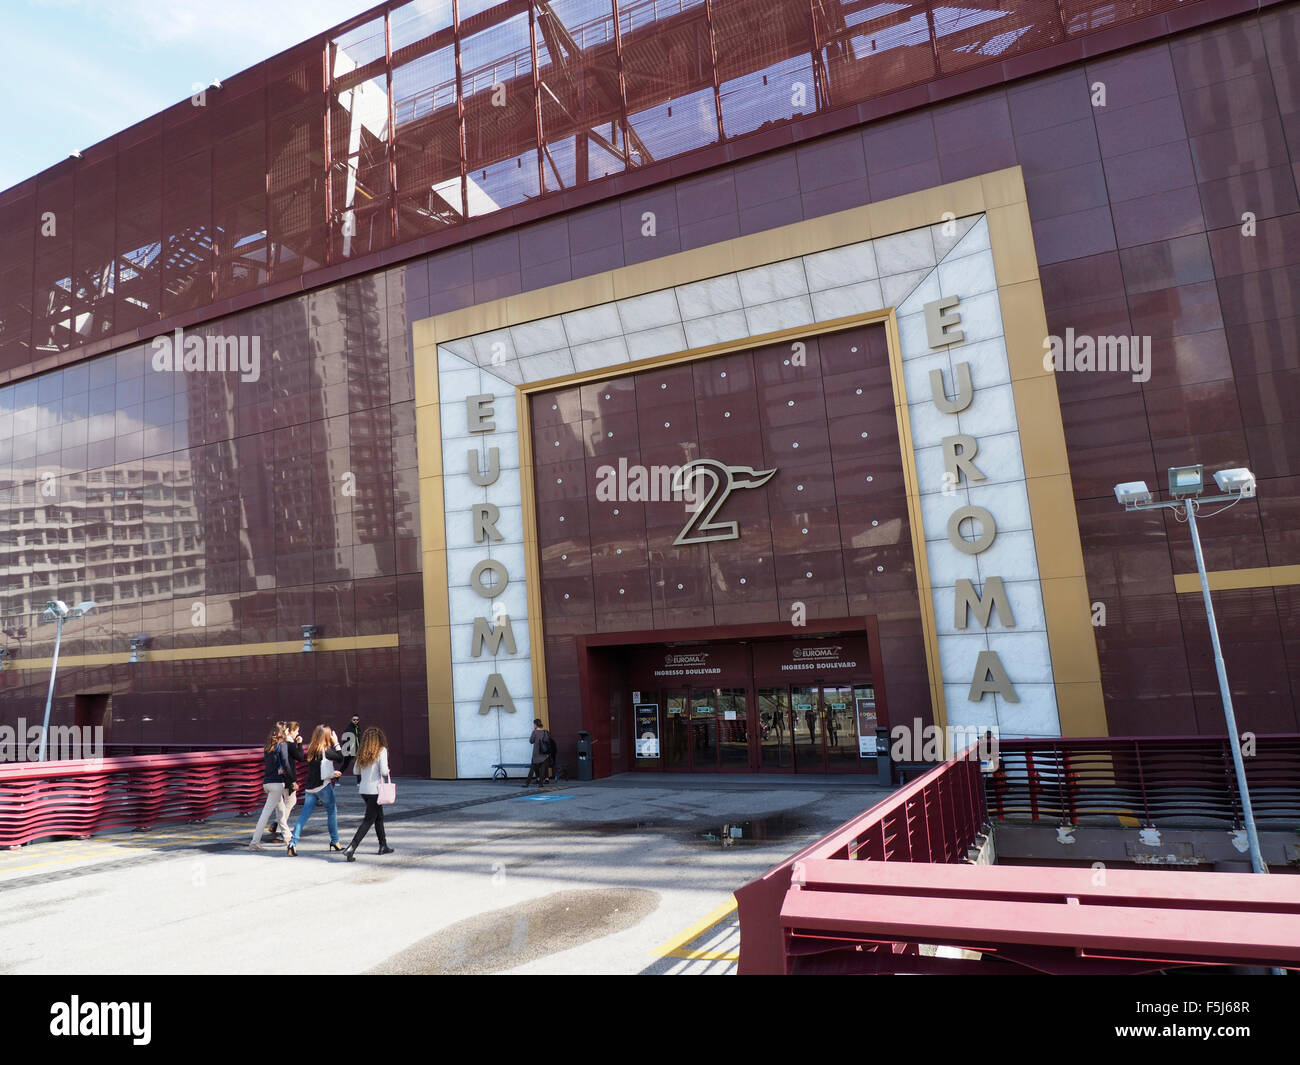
229,650
696,930
1222,580
703,955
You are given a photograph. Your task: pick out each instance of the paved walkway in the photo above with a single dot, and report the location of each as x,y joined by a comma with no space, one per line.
626,875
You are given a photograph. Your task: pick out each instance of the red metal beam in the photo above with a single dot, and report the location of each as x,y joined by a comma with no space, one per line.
1207,935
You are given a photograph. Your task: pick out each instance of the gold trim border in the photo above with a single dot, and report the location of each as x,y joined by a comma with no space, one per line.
532,556
527,473
225,650
433,562
1000,196
1226,580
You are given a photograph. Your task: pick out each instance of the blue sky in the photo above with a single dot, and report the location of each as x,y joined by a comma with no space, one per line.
77,71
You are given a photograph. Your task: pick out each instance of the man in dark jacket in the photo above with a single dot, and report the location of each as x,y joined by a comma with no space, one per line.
543,758
350,743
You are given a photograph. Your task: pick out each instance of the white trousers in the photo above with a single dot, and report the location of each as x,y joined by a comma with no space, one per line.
274,799
288,800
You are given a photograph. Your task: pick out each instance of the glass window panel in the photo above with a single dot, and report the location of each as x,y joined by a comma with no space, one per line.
414,22
500,116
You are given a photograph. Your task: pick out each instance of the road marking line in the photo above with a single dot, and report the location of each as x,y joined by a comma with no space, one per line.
115,849
703,955
695,931
4,870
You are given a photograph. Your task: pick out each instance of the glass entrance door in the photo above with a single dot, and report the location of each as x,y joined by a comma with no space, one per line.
675,754
704,728
840,727
805,710
816,727
776,729
733,728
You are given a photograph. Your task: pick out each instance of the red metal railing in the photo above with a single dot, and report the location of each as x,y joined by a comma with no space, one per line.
80,798
1150,778
872,917
127,749
936,818
823,911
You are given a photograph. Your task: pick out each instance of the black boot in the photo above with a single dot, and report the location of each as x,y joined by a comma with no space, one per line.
351,853
384,848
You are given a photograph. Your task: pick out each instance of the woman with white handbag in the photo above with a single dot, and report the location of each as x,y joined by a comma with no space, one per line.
323,754
376,789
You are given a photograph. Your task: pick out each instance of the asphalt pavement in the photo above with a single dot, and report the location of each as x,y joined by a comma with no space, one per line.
632,874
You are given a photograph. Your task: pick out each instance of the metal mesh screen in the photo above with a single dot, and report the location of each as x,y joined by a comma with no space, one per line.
435,111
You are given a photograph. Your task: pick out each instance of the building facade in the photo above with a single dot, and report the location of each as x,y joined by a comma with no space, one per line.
723,380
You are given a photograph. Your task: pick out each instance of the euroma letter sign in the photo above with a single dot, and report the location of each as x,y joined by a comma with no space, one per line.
980,476
489,578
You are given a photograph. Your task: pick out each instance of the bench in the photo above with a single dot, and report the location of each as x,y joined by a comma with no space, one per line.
499,769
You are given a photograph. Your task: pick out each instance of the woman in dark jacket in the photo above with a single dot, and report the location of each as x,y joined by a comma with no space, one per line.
293,754
323,755
275,773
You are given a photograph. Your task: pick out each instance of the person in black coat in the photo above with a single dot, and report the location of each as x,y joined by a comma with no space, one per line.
275,774
293,754
350,743
323,755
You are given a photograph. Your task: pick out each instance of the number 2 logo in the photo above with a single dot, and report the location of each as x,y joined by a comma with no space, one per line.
700,527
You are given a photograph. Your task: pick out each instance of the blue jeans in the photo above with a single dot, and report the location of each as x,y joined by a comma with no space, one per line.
326,798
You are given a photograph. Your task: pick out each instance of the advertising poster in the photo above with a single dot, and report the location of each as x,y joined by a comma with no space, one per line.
647,730
867,724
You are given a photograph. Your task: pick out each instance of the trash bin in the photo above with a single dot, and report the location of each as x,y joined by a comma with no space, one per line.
584,755
884,767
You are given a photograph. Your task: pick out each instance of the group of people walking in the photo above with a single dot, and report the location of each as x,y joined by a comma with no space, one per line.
327,760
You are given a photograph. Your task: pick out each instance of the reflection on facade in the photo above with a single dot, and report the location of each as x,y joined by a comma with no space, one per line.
113,535
201,511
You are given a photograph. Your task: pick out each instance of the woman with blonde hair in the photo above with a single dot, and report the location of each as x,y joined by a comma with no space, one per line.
323,755
275,775
372,767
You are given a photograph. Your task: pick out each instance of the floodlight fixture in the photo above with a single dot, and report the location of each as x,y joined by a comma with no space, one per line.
1133,492
1186,480
1186,485
1236,482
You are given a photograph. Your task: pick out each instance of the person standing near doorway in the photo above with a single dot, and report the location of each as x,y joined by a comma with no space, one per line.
542,753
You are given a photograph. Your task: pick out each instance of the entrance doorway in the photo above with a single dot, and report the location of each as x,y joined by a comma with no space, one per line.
813,728
92,710
818,727
755,699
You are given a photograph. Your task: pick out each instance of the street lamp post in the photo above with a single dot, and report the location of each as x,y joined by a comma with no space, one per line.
57,610
1186,484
